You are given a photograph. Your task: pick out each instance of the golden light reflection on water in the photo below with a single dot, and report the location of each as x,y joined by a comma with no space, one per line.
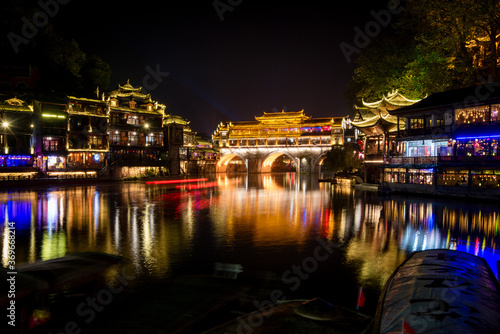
160,228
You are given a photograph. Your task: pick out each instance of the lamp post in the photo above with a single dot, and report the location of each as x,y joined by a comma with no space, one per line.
5,126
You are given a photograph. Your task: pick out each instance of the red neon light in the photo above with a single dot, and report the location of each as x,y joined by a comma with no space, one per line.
176,181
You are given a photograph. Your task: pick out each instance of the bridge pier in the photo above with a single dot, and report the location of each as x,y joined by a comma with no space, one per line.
304,165
253,165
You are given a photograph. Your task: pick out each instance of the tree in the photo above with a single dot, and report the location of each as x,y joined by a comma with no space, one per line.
342,158
457,29
95,73
434,46
395,63
63,65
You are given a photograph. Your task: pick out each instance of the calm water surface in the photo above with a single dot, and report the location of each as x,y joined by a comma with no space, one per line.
270,224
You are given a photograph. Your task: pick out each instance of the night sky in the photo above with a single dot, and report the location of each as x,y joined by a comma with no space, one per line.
261,56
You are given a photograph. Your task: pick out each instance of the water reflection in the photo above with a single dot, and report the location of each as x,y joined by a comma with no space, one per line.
265,222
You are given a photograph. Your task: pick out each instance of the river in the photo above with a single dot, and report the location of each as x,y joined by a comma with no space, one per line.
318,239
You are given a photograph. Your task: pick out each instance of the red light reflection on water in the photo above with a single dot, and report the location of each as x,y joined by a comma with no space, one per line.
197,186
176,181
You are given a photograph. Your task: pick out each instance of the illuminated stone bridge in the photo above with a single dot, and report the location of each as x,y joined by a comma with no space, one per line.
253,146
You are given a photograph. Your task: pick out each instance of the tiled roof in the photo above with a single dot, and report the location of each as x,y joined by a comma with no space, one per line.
456,98
15,104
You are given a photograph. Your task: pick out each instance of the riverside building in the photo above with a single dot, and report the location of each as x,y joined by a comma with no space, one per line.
449,144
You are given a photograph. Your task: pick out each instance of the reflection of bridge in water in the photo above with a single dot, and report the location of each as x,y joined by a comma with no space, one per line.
253,146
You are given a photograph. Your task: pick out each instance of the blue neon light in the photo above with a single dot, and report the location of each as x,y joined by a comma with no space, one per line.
16,161
479,137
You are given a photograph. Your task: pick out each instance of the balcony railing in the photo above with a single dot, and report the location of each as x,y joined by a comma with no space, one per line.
441,160
411,160
467,159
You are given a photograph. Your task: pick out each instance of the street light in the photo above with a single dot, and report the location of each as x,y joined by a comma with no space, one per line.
5,124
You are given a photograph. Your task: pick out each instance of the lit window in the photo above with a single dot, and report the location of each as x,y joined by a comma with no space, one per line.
114,138
50,144
133,138
134,120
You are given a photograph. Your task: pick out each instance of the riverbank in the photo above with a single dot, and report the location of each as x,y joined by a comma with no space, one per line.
442,191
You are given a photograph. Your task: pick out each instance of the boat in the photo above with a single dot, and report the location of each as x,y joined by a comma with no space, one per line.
44,288
440,291
298,316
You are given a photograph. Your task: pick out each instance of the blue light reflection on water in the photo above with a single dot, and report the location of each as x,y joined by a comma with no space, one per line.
18,212
470,228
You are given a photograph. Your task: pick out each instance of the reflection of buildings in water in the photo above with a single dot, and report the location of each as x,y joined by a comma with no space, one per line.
54,245
373,243
17,208
157,228
277,215
382,238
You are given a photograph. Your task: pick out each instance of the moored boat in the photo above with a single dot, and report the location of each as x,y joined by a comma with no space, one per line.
440,291
298,316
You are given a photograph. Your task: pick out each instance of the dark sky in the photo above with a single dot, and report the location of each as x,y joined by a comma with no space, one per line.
261,56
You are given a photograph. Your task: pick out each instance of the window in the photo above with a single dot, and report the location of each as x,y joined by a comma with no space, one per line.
134,120
50,144
416,123
132,104
304,141
133,138
114,103
115,118
494,112
471,115
95,142
114,137
154,139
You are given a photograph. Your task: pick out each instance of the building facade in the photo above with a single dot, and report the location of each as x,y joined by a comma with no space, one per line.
122,133
449,143
88,143
135,132
50,131
16,134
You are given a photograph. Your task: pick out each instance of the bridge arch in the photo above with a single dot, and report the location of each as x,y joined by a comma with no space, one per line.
319,161
224,166
268,160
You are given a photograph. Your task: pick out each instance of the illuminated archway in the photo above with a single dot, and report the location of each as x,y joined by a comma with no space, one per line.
319,162
267,164
231,163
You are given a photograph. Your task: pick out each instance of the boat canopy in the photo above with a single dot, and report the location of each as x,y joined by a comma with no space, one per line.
440,291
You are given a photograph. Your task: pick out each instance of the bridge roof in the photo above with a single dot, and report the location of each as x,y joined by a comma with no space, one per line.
289,115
